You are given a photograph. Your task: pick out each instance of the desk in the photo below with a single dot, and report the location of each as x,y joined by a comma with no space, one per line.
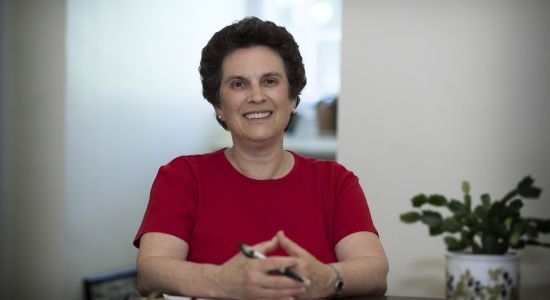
387,298
346,298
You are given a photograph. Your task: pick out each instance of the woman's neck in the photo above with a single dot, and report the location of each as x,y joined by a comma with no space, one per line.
260,163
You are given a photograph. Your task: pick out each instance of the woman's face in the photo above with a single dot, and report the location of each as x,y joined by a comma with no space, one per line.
254,94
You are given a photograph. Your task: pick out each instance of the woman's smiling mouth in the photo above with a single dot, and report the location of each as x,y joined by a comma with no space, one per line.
257,115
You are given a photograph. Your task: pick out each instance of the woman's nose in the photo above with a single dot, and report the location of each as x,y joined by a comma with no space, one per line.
256,94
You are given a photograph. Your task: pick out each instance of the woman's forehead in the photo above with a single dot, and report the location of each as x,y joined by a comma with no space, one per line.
253,61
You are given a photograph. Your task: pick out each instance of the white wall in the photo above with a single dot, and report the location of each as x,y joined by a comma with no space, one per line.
435,92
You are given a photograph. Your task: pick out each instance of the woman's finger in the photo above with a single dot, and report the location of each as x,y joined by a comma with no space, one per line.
267,246
277,281
268,271
276,263
263,285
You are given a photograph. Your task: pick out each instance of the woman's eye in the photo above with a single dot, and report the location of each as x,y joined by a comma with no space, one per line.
270,81
237,84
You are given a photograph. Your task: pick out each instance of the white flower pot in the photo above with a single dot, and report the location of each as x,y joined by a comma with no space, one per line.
475,276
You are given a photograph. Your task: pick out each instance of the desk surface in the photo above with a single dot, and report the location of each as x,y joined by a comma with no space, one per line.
387,298
346,298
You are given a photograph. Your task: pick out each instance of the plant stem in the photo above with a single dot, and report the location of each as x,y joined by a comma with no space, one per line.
509,196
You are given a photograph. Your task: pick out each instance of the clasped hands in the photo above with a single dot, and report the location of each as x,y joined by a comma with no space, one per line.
244,278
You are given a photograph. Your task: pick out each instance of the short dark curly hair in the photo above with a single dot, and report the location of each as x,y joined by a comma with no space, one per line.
246,33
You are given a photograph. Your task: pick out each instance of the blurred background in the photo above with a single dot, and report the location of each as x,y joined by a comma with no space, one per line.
96,95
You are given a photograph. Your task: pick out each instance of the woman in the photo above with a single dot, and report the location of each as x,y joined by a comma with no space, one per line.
310,216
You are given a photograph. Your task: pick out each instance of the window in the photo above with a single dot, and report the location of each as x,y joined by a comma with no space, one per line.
316,26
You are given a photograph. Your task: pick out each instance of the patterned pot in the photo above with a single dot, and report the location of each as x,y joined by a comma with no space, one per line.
475,276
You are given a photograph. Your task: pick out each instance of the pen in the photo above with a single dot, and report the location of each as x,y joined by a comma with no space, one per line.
251,253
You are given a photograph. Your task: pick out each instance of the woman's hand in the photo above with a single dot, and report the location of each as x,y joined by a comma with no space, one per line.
320,275
245,278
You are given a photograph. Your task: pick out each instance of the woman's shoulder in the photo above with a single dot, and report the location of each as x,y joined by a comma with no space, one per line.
326,173
321,165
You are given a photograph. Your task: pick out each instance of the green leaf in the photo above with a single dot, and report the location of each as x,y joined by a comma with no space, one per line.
543,225
526,182
495,209
526,189
533,193
457,207
419,200
480,212
450,224
467,236
454,244
515,237
436,230
437,200
516,205
532,230
431,218
491,245
508,222
468,203
465,187
486,200
410,217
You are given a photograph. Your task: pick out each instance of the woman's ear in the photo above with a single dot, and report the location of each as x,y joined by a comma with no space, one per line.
218,112
293,104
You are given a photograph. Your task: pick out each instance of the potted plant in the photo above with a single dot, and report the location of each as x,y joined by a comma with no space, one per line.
480,239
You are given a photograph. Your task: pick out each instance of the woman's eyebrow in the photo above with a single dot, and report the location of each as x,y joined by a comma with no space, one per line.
270,74
240,77
235,77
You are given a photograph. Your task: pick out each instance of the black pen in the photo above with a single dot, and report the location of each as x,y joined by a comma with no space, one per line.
251,253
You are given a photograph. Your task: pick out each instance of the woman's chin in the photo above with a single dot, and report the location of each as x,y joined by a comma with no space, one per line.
260,136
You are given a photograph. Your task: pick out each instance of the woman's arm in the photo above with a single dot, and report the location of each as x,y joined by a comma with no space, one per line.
361,262
162,267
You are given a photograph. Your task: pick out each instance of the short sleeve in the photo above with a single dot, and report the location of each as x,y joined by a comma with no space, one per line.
172,203
351,211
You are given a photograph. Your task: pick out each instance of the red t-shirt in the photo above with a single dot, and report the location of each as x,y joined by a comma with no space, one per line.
203,200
